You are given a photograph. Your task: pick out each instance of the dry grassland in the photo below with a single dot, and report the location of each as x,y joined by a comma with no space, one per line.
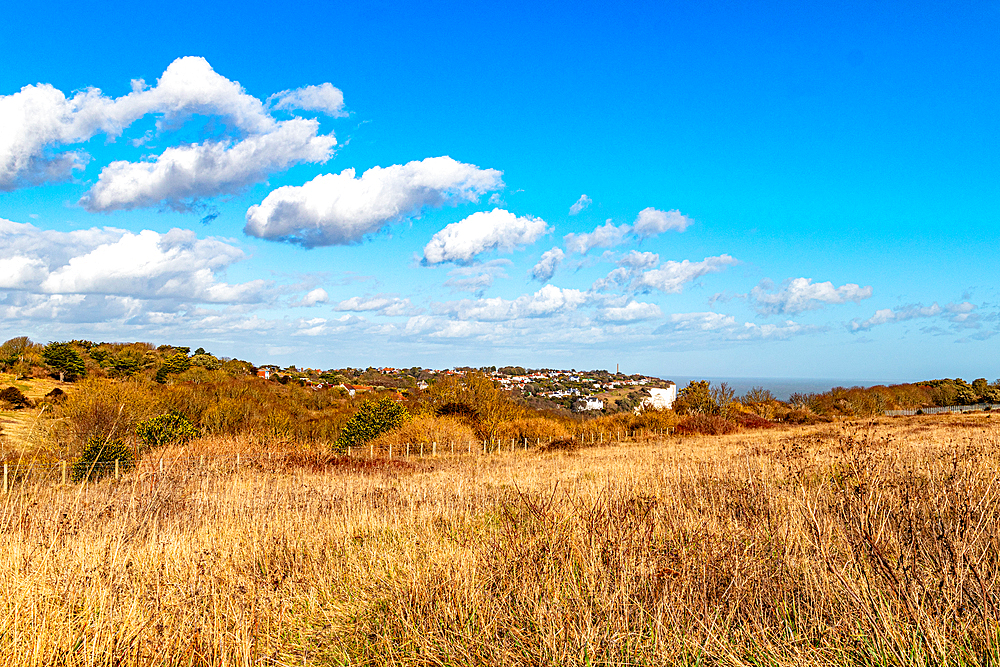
842,544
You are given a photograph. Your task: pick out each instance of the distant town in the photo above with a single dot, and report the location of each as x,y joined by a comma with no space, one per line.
576,390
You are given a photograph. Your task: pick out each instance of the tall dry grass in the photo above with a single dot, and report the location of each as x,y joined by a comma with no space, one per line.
863,544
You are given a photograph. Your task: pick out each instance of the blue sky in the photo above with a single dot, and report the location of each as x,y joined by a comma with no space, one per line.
766,189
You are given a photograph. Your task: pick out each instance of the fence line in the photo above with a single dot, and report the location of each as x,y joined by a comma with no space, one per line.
948,408
64,471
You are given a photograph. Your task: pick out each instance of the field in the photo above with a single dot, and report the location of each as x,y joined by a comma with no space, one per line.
851,543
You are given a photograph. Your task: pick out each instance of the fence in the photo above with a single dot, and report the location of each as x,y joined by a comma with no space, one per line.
64,472
948,408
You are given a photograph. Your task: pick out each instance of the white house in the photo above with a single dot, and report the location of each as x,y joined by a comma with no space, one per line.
661,398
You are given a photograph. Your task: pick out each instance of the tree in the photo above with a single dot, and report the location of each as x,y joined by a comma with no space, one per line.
65,360
696,399
761,402
373,418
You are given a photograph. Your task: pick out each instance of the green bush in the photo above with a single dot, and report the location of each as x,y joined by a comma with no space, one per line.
375,417
99,458
170,429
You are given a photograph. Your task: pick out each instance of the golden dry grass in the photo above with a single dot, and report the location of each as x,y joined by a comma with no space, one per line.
843,544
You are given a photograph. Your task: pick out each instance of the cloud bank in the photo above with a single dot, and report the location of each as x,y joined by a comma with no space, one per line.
39,122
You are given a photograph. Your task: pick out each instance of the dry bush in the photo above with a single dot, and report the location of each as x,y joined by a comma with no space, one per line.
748,420
561,445
706,425
107,409
534,429
427,429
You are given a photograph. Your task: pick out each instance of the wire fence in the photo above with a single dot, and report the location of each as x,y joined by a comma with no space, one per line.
20,473
977,407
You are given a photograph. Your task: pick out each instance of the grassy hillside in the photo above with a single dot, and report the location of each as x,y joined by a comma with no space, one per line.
837,544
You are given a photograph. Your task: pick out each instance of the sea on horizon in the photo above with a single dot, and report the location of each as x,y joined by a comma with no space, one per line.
782,388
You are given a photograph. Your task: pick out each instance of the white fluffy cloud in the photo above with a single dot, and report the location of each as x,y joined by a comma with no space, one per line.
547,301
315,297
323,97
801,294
639,260
651,222
671,276
37,123
725,327
605,236
339,209
547,265
583,202
633,311
184,174
381,304
961,315
484,230
174,266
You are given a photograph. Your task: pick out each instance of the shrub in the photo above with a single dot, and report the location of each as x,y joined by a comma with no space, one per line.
373,418
561,445
751,420
705,425
107,408
14,396
428,429
99,458
56,395
169,429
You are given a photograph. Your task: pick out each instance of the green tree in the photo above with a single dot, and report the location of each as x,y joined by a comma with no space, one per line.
175,363
64,359
696,399
373,418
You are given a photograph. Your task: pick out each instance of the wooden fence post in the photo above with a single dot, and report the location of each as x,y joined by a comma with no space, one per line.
5,487
118,474
390,450
63,471
434,448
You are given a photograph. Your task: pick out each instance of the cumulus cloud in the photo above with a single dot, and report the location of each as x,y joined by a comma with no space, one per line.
639,260
633,311
484,230
651,222
380,304
961,315
547,265
725,327
113,262
339,209
323,97
605,236
583,202
182,175
38,122
801,294
671,276
315,297
547,301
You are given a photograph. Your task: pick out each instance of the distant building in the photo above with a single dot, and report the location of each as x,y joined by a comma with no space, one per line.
662,399
588,404
264,373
